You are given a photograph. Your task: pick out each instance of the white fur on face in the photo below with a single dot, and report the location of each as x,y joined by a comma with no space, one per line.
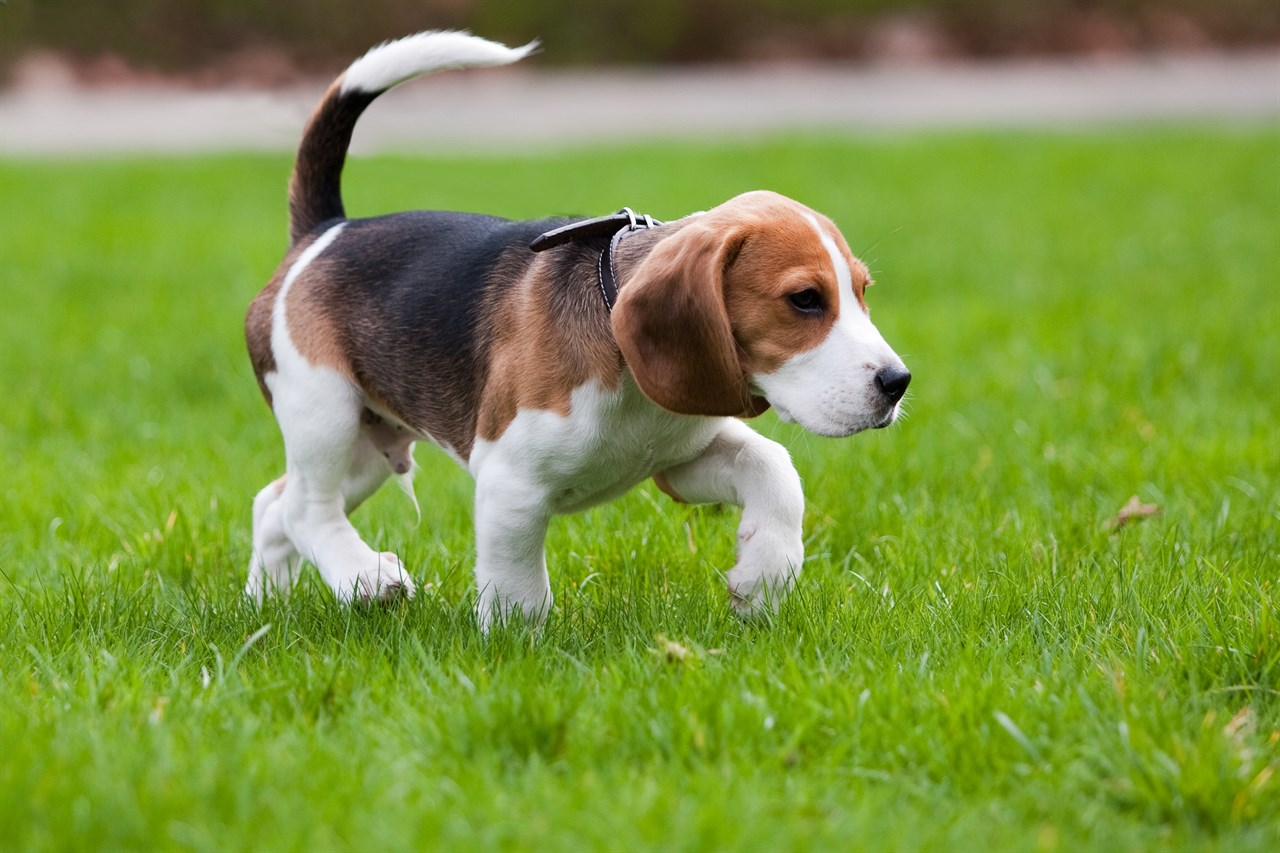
830,389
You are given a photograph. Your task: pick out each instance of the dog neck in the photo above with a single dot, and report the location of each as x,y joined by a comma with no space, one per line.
614,228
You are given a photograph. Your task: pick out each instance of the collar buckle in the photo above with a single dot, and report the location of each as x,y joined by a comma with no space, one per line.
586,229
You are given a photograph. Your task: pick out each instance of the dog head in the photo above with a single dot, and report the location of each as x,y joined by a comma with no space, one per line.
759,302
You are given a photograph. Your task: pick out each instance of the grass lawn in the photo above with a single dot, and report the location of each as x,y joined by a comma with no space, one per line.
973,658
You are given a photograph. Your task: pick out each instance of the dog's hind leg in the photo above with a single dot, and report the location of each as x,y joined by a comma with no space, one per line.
332,467
273,568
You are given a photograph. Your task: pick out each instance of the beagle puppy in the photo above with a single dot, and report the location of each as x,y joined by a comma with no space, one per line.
621,349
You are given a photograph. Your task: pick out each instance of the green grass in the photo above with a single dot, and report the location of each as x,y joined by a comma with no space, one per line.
973,659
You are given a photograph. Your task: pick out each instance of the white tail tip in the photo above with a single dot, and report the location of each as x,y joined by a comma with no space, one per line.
394,62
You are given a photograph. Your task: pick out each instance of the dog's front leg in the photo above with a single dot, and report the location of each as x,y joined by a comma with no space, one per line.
744,468
511,566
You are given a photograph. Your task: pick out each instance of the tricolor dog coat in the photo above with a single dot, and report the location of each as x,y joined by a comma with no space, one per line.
560,362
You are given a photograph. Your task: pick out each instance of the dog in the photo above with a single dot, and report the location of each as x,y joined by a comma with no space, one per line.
560,361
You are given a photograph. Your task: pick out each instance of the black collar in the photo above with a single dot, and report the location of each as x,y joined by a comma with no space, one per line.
615,226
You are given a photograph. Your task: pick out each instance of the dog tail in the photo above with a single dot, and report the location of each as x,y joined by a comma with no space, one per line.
315,190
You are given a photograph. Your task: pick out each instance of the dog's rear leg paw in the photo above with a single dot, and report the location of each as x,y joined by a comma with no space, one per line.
389,582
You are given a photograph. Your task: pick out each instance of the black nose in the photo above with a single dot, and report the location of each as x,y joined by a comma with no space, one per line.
893,382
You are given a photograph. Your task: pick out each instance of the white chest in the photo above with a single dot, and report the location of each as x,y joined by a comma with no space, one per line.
610,441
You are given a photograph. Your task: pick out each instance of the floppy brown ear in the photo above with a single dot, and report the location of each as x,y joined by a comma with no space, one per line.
671,323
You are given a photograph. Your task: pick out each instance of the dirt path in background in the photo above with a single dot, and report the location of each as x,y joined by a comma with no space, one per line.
511,109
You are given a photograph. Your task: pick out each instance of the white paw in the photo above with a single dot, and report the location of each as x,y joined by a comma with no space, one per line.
753,600
494,610
768,565
255,590
388,581
267,580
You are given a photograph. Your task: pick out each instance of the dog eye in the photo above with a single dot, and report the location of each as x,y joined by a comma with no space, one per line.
808,301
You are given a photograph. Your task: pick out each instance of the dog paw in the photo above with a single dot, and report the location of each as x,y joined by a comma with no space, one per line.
255,590
389,582
754,602
492,611
767,569
268,580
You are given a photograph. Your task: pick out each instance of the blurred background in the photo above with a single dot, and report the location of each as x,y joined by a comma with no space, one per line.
274,42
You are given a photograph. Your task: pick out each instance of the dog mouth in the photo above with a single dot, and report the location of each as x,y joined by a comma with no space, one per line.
827,427
833,425
890,417
841,416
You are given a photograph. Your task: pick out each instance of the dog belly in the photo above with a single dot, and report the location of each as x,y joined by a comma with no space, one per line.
609,473
575,494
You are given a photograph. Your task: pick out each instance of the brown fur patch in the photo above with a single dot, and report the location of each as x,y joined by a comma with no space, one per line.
547,337
309,317
257,333
782,255
309,325
258,320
